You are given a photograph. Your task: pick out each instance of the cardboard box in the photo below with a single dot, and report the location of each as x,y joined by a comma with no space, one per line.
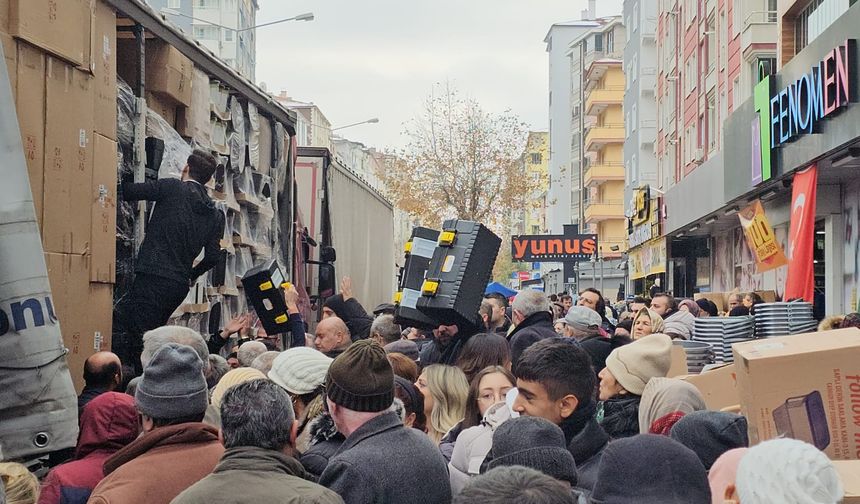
84,309
849,473
68,158
718,387
679,362
168,72
4,15
805,387
103,215
194,121
62,28
104,68
163,107
30,105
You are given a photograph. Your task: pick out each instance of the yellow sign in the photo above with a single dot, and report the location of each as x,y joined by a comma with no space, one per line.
761,238
642,206
648,259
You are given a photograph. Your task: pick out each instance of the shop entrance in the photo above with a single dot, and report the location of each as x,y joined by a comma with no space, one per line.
819,268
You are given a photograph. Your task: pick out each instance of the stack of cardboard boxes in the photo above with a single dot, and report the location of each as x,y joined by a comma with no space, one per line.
61,58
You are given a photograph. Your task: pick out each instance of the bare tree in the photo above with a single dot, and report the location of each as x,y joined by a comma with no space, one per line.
461,161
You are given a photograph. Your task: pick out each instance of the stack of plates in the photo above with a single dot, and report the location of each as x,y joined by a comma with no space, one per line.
783,319
722,332
699,355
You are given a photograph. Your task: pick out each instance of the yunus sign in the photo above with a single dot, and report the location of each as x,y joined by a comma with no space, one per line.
553,248
798,108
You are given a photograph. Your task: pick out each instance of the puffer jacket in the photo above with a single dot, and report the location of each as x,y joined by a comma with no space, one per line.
472,447
620,416
325,440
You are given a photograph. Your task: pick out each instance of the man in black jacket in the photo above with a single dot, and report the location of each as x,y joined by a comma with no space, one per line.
183,222
533,322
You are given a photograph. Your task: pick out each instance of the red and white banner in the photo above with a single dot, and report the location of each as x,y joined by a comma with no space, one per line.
800,282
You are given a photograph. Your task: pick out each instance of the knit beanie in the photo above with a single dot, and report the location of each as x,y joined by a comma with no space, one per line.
724,473
300,370
711,433
787,471
361,379
635,364
650,469
172,385
534,443
231,378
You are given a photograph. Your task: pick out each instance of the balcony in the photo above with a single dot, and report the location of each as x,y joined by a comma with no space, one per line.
600,98
596,63
597,210
647,132
600,135
600,172
759,28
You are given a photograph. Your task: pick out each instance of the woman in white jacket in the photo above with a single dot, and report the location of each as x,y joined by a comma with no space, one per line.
485,411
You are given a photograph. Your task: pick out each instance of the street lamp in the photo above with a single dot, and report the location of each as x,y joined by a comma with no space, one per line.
369,121
308,16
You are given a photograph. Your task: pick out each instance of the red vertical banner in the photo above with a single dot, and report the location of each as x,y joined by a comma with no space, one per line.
800,282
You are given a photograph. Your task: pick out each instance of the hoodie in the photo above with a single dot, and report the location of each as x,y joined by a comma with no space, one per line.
108,423
680,325
353,315
184,221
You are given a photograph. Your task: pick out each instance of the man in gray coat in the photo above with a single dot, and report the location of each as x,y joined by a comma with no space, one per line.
256,421
381,461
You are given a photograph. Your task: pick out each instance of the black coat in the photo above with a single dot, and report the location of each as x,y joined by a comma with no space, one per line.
184,222
325,442
384,462
534,328
586,440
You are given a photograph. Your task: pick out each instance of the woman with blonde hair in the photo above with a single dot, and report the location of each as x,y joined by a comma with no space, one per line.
445,392
646,322
22,486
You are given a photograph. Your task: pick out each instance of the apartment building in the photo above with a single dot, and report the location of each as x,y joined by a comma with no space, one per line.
596,58
710,54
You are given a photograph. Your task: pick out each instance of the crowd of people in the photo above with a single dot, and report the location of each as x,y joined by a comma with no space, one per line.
545,399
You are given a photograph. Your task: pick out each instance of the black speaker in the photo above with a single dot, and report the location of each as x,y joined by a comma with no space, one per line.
458,273
263,286
418,250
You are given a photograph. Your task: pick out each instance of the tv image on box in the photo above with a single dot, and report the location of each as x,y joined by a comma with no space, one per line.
804,418
458,273
418,250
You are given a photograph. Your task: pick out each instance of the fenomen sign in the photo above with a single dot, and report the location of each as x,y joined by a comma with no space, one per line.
799,108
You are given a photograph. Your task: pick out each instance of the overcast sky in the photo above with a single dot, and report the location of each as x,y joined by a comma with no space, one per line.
380,58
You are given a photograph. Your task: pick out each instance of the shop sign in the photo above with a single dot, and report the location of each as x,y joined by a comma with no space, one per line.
761,238
649,259
640,235
553,248
798,109
641,205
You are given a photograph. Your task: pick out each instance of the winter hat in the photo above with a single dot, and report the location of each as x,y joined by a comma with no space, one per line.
361,379
680,324
711,433
406,347
534,443
667,395
724,473
231,378
635,364
691,305
582,318
650,469
300,370
787,471
172,385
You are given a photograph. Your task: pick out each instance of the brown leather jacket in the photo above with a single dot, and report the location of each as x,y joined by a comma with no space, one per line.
159,465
